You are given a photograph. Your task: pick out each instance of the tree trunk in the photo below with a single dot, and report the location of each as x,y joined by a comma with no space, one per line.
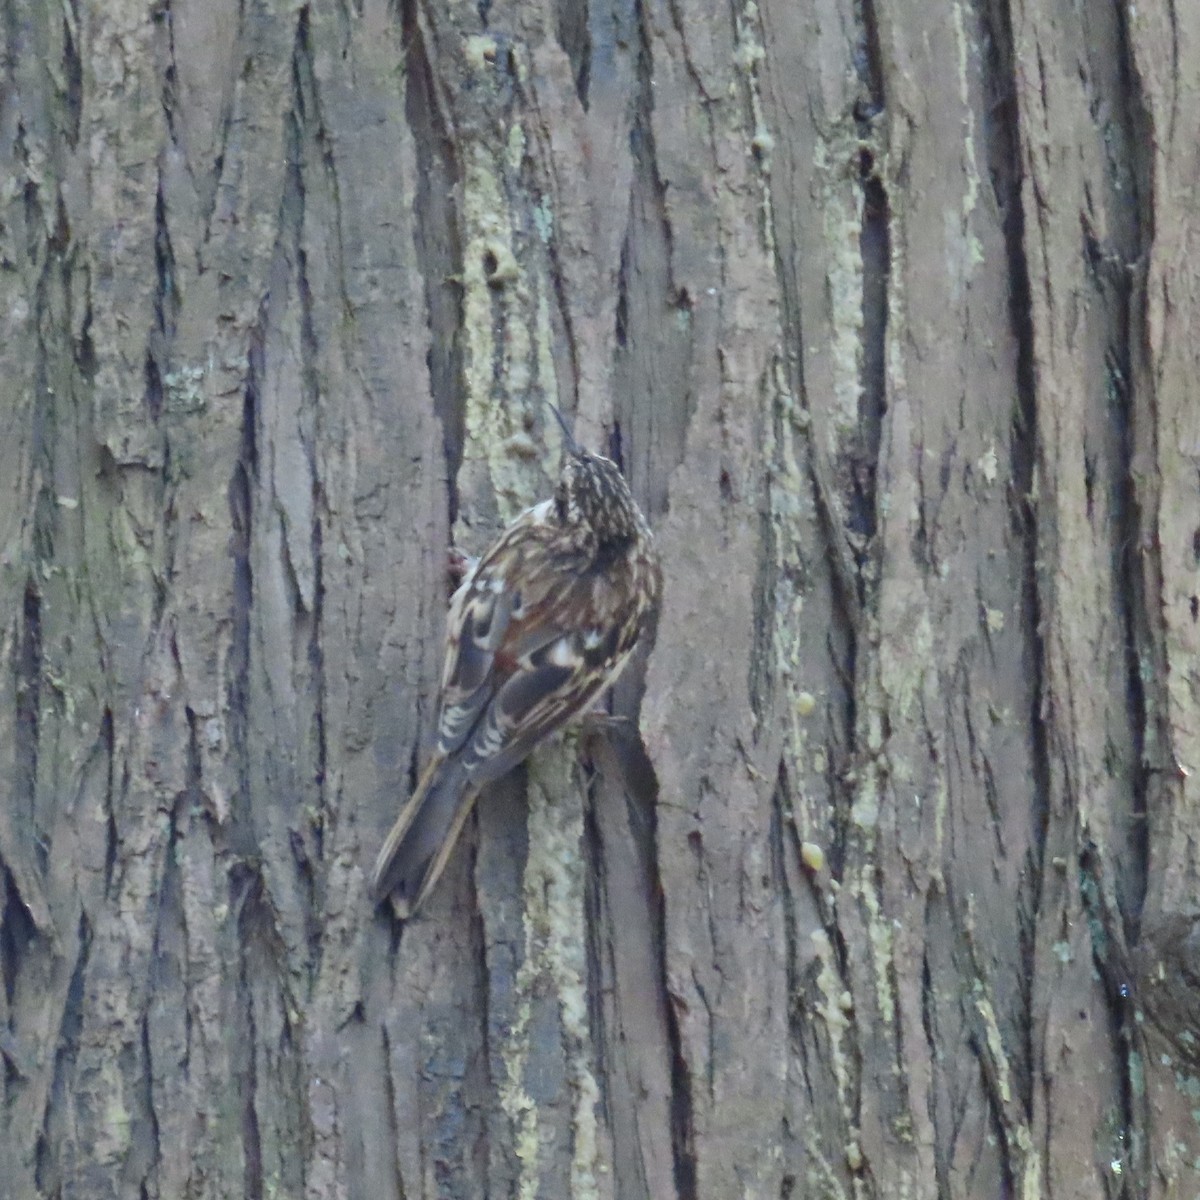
888,886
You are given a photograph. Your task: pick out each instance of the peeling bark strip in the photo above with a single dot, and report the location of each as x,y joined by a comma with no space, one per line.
887,887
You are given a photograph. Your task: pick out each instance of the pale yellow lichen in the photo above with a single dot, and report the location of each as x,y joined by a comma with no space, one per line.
184,389
830,1009
556,937
480,51
812,856
879,933
790,509
496,294
748,55
840,198
516,147
970,166
995,1044
864,812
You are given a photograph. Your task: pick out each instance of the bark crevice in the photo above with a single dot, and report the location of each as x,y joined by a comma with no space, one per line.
875,248
1132,385
438,241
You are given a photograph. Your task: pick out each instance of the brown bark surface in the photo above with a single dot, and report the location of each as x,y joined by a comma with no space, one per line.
888,886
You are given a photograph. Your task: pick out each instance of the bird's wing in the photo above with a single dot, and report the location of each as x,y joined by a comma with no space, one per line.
485,612
530,644
545,691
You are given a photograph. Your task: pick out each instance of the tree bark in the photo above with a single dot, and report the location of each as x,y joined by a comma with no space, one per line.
887,886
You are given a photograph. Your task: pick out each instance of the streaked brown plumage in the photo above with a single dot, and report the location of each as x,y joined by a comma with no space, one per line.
543,622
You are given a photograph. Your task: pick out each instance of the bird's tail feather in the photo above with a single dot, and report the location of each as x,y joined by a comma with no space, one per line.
416,850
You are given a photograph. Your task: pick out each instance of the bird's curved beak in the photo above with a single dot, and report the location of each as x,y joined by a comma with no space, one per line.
568,436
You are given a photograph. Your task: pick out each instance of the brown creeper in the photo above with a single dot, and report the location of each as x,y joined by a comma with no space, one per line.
542,623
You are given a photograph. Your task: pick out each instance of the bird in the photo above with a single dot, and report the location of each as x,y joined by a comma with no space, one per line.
543,621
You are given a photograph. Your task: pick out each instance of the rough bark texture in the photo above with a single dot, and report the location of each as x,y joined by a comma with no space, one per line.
889,308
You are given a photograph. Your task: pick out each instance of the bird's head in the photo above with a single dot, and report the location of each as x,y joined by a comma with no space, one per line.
593,493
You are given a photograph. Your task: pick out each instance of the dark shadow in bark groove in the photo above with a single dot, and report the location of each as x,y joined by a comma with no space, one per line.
990,1088
110,816
652,354
1004,162
48,1166
876,251
17,933
147,1148
1110,954
571,21
310,622
592,846
28,704
682,1127
875,245
438,244
788,847
72,69
683,1133
251,922
943,1139
160,337
389,1087
1135,234
241,508
1005,165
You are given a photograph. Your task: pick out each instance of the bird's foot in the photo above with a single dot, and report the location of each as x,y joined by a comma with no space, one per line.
596,721
458,566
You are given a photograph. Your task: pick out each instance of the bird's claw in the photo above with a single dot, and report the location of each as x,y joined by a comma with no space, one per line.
597,722
458,566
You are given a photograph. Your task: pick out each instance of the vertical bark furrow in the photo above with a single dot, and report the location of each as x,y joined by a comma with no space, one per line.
629,1007
651,348
1006,174
1077,253
1166,71
1000,131
249,1043
683,1132
53,1129
437,242
1131,392
166,305
28,707
875,250
572,20
240,502
142,1169
1131,1130
72,67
